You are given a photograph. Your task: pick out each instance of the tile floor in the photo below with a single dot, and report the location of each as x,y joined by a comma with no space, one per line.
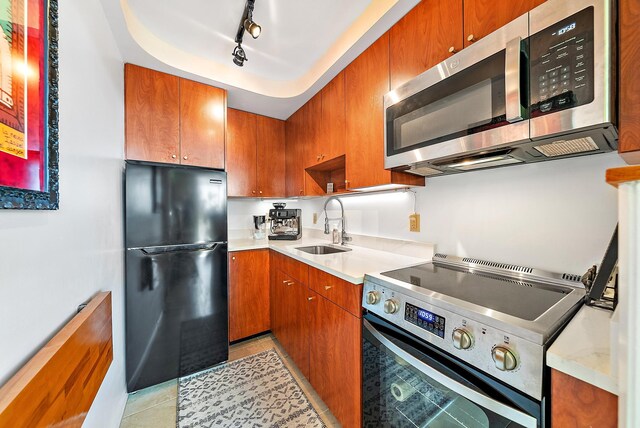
155,407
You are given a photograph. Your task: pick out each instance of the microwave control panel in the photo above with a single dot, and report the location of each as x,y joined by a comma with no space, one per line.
562,58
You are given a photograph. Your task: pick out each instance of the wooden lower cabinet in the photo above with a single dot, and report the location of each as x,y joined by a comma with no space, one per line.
322,337
335,360
249,307
575,403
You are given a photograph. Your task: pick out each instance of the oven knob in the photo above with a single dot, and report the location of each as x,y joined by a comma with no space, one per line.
391,306
373,297
504,358
461,339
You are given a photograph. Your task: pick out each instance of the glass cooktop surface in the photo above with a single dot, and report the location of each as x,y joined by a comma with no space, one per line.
525,300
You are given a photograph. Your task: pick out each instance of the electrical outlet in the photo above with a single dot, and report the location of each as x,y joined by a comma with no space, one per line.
315,218
414,222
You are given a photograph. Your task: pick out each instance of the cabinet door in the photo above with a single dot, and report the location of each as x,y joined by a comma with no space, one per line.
270,167
249,307
241,153
152,115
482,17
202,124
298,314
332,129
629,93
312,117
423,38
335,360
366,82
294,154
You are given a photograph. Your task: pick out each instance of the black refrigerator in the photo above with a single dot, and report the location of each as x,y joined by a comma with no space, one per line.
176,271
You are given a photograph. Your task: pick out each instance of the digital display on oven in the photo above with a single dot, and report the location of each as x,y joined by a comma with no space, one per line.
429,321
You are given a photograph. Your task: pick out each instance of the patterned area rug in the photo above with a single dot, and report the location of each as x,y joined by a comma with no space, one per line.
255,391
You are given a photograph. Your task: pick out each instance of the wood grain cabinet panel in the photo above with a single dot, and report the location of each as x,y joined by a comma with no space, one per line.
202,124
366,81
482,17
343,293
424,37
335,360
294,154
152,115
310,131
629,95
333,119
241,153
270,149
575,403
249,305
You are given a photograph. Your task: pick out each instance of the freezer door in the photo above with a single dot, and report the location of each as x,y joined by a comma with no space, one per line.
169,205
176,311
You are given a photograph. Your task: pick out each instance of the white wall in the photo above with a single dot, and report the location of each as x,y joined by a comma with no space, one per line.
52,261
555,215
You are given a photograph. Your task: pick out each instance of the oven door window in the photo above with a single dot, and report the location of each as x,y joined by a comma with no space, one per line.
468,102
403,387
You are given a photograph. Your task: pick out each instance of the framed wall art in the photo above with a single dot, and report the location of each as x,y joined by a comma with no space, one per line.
29,104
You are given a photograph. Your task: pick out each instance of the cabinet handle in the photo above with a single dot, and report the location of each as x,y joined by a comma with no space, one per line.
233,258
322,157
310,298
452,50
301,192
174,156
471,38
260,192
328,287
318,157
184,157
253,191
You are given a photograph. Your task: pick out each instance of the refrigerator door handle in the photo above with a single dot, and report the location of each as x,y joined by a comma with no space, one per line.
166,249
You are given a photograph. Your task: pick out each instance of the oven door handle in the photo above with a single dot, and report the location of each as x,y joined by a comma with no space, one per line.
513,106
466,392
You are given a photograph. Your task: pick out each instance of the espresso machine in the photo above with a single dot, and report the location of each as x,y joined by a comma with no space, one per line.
286,224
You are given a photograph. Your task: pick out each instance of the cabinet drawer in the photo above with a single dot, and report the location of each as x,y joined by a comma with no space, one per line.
293,268
343,293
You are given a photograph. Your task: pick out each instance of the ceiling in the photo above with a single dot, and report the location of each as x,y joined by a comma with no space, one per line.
303,45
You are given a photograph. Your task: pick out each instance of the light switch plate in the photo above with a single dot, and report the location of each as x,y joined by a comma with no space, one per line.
414,222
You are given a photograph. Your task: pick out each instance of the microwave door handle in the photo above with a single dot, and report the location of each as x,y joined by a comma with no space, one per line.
460,389
512,81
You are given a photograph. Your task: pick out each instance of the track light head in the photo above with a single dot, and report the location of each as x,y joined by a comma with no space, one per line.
252,28
239,56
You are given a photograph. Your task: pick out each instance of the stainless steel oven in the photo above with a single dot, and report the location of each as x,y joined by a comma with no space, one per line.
407,383
460,342
539,88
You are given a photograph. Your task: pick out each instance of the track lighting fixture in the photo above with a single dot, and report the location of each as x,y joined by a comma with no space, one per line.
246,24
239,57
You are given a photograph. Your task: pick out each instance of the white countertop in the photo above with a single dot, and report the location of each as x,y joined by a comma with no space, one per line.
350,266
583,349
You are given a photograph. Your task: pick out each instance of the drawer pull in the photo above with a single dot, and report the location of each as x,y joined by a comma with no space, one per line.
310,298
328,287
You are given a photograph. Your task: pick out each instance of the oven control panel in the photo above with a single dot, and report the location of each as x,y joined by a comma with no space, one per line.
562,58
426,320
514,360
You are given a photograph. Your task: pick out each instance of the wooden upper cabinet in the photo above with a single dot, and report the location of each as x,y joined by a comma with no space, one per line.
332,130
248,293
152,115
294,181
482,17
310,131
629,93
202,124
270,167
366,82
424,37
241,153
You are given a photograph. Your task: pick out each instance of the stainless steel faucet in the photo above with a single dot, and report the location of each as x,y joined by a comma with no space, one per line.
343,235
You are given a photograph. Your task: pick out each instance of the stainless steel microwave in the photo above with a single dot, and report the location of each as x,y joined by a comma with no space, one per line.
540,88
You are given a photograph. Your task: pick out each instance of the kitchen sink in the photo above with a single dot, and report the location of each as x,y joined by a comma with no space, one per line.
322,249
